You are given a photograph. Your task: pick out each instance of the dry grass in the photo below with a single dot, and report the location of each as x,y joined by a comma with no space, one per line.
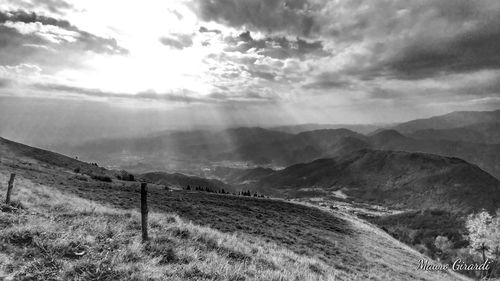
61,237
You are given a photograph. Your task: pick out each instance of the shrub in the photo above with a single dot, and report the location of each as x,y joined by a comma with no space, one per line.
102,178
126,176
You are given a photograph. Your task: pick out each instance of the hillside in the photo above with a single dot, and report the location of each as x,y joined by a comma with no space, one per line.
24,153
450,120
180,181
72,227
58,236
359,128
238,176
486,156
302,147
393,178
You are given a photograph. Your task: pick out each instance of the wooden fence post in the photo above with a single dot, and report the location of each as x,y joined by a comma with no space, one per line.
9,188
144,211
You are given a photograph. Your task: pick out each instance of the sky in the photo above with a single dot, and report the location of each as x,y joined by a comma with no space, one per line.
155,64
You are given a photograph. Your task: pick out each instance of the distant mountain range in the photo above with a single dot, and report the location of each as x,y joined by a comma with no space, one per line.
451,120
472,136
390,178
358,128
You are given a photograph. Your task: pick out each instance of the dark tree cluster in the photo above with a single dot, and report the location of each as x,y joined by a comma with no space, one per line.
207,189
249,194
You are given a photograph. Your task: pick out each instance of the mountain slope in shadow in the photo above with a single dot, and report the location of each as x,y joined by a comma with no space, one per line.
394,178
486,156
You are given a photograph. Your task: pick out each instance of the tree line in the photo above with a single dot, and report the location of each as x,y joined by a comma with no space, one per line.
209,189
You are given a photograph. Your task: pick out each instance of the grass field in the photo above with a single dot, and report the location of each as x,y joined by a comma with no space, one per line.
61,237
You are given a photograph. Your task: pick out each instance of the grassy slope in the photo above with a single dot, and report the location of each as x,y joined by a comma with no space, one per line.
181,181
262,239
62,237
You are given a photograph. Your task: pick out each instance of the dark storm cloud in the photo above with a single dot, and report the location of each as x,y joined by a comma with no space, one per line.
270,16
275,47
177,41
426,39
471,51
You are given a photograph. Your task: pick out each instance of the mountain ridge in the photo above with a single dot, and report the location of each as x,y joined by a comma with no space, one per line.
395,178
450,120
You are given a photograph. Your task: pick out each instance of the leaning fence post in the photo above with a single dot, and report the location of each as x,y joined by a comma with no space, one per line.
9,188
144,211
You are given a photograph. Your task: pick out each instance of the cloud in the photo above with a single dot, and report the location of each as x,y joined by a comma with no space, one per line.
177,41
48,42
275,47
25,17
183,96
394,38
263,74
471,51
326,81
313,51
418,40
147,95
251,96
12,76
291,16
21,69
206,30
54,6
44,27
